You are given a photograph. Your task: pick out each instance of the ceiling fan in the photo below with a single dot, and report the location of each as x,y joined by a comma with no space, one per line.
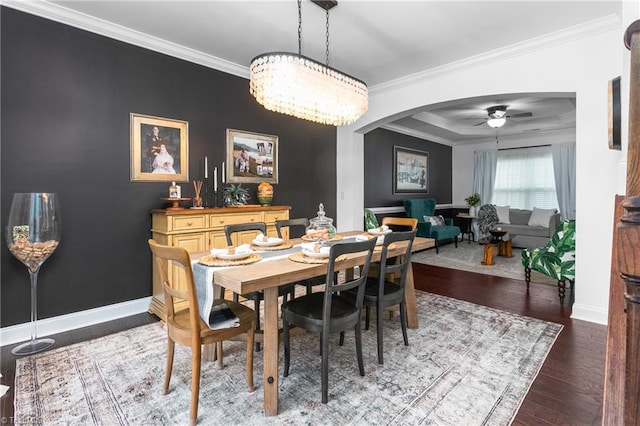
497,116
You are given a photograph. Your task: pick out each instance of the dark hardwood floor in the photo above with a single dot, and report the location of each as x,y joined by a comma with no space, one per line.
568,390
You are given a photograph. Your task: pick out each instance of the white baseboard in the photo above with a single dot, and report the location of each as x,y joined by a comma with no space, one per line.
588,313
59,324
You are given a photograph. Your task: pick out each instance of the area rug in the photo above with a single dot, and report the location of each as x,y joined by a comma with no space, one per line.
468,257
466,365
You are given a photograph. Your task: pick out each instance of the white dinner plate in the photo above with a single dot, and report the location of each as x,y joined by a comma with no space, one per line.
234,256
317,255
272,241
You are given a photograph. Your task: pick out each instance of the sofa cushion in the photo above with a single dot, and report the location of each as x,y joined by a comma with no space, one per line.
519,216
532,231
503,214
541,217
435,220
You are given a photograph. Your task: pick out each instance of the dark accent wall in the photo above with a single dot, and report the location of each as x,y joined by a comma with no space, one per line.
66,95
378,168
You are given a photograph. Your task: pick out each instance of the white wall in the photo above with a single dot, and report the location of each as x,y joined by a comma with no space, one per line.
584,64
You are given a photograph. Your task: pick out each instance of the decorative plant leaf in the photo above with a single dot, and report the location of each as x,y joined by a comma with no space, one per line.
235,195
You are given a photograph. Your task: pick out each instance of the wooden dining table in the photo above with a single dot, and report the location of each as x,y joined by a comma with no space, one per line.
269,275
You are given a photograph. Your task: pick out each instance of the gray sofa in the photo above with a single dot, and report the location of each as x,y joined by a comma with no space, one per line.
525,236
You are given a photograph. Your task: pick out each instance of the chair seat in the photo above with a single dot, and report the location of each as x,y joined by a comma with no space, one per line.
244,313
444,232
308,310
390,290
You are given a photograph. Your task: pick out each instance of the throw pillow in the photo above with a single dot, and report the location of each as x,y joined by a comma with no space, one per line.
503,214
435,220
541,217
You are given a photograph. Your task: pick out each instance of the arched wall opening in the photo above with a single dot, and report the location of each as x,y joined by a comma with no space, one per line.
582,66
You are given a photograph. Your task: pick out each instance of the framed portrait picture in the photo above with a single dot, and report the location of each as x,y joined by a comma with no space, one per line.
615,117
251,157
410,171
159,149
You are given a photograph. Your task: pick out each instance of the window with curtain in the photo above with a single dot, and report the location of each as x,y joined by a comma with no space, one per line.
525,179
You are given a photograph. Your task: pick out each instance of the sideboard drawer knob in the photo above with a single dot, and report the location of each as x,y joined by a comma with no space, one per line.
189,223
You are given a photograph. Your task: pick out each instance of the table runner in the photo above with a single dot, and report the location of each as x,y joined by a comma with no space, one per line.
203,278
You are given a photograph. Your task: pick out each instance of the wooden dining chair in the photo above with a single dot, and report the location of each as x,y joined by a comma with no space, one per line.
400,223
187,328
329,311
257,296
388,287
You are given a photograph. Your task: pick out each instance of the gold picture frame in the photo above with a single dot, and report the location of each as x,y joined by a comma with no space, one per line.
159,149
251,157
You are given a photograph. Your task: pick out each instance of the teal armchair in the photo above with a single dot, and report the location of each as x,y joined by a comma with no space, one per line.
418,208
556,260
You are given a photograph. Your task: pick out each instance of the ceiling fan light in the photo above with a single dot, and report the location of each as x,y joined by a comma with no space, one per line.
496,122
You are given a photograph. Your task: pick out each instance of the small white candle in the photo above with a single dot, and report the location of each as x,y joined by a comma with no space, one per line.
215,179
206,168
223,172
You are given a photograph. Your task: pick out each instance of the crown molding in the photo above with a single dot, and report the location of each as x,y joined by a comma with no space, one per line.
416,134
86,22
607,23
89,23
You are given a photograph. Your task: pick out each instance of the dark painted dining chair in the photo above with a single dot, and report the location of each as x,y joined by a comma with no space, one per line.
329,311
388,287
256,296
300,224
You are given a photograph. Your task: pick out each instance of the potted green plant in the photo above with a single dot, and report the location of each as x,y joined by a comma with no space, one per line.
473,200
235,195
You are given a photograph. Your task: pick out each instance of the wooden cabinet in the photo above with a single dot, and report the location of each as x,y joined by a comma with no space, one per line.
202,230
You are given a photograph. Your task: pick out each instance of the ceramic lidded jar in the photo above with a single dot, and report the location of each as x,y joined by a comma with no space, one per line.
321,227
265,193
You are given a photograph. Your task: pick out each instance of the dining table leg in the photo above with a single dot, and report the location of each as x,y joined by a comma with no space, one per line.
270,351
410,299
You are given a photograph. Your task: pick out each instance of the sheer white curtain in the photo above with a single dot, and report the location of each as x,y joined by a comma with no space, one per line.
525,179
564,168
484,174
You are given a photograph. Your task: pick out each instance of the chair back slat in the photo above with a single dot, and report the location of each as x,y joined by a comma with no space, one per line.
253,226
402,262
290,223
180,258
333,286
395,223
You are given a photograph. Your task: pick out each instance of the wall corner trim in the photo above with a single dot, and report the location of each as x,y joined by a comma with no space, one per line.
589,313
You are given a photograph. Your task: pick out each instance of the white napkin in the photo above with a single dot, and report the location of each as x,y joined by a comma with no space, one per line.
361,238
244,248
311,248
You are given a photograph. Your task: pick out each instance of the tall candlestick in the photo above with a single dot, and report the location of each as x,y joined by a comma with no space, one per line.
206,167
215,179
223,172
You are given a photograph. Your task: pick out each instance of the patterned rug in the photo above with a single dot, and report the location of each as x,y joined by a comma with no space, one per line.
468,257
466,365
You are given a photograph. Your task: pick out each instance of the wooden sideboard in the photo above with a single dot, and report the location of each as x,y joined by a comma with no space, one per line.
201,230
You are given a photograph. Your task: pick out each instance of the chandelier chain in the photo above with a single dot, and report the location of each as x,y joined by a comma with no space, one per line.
327,36
299,27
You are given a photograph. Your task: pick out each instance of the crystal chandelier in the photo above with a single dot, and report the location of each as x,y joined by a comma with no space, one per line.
293,84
